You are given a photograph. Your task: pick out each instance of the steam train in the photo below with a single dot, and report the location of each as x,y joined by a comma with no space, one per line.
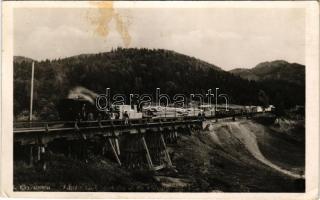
81,109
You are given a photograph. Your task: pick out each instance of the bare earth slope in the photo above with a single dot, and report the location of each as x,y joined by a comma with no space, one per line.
246,133
244,156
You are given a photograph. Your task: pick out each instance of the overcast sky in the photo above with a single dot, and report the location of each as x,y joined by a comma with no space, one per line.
229,38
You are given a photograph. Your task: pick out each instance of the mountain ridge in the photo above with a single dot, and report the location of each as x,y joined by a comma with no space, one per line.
273,70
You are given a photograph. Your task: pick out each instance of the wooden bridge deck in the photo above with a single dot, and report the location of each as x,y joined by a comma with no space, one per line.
29,132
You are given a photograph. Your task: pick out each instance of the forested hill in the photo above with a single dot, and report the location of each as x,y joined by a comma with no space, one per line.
275,70
139,71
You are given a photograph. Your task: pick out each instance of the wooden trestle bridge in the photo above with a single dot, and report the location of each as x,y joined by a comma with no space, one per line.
136,144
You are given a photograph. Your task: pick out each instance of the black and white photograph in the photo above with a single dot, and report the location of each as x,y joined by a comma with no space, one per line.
183,97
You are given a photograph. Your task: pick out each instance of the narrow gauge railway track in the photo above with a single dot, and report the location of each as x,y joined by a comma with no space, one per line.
45,126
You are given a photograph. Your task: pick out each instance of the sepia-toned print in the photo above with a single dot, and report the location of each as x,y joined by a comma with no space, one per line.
176,98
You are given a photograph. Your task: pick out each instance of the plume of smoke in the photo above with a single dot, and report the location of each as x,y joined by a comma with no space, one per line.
82,93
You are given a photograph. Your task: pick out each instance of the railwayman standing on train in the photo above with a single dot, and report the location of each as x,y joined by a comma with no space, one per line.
126,117
83,112
201,115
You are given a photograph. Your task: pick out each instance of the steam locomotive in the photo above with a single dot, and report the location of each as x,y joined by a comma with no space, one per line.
77,109
81,109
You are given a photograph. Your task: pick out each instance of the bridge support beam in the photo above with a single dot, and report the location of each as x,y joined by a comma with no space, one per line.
41,154
31,155
150,164
165,150
116,142
114,151
42,157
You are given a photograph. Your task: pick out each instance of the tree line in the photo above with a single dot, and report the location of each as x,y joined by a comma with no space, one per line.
140,71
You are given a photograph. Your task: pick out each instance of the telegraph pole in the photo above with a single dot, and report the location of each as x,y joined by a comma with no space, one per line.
31,95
